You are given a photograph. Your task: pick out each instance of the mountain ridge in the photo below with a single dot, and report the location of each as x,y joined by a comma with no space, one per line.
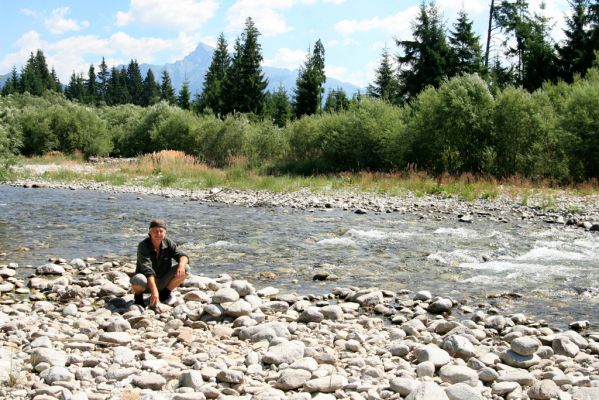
194,66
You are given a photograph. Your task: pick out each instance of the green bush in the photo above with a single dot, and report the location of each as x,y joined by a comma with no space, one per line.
527,141
580,119
367,136
264,142
449,129
51,123
123,121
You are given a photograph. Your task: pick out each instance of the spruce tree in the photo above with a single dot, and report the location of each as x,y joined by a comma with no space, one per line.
56,86
212,93
572,53
76,90
424,59
277,107
337,100
167,92
91,86
385,85
245,84
466,51
184,96
103,76
134,83
12,83
592,46
150,91
539,59
311,77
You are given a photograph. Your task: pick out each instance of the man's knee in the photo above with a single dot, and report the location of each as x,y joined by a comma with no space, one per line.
139,281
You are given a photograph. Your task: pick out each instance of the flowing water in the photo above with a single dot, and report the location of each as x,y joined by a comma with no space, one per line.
554,268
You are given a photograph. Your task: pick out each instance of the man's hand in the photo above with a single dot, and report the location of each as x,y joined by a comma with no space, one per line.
154,299
180,271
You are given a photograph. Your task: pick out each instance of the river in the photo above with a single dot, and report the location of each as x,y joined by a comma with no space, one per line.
554,268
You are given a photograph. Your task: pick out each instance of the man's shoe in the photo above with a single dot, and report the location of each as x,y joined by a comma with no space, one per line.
169,301
139,300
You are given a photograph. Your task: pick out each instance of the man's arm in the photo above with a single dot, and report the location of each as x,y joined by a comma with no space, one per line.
154,298
183,261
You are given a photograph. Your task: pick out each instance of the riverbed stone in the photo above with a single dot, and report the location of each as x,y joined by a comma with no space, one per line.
525,345
458,374
225,295
459,346
437,356
56,374
563,346
440,306
585,393
191,379
403,386
462,391
286,352
326,384
428,391
149,381
310,314
516,360
544,390
266,331
230,376
47,355
238,308
292,378
50,269
118,338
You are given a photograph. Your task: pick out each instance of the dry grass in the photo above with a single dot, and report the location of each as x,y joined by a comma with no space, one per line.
176,169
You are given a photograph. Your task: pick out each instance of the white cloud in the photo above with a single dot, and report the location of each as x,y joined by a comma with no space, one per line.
474,8
183,15
73,53
58,24
341,42
398,24
287,58
267,14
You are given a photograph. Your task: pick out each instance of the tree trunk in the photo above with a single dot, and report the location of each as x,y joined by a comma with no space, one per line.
491,9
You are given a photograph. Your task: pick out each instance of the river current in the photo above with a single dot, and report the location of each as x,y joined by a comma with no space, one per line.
554,268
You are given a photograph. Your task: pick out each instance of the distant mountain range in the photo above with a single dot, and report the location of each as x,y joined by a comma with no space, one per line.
194,66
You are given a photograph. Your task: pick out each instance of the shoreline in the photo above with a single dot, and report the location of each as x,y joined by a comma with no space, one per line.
566,209
78,336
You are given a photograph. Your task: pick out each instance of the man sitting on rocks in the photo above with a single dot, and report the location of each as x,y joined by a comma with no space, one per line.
155,272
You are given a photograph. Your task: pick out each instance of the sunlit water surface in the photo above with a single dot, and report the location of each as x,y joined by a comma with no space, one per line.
555,268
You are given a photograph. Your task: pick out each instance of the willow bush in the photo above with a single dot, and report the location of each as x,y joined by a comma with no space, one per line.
450,128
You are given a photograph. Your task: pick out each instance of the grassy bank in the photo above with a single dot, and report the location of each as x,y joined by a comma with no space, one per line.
176,170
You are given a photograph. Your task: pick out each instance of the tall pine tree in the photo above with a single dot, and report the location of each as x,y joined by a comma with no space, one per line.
466,52
134,82
309,84
245,84
103,76
572,53
212,96
91,86
385,85
150,91
167,92
423,60
184,96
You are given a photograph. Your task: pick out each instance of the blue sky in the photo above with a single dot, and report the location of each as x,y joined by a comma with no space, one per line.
74,34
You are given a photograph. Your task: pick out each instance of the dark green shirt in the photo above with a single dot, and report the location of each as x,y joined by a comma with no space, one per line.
148,262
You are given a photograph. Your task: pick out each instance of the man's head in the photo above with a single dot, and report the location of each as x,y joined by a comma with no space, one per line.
157,229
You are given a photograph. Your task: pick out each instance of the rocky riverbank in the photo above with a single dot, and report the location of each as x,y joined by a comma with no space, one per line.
71,332
561,209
